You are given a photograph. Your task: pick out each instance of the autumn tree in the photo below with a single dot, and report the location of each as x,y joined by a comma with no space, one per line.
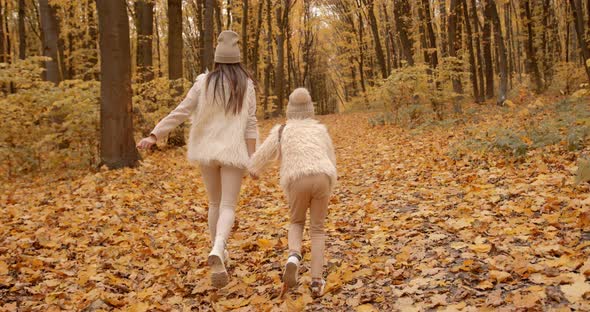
117,147
487,51
402,22
471,51
532,64
174,39
207,51
282,13
144,17
22,35
245,41
492,12
52,44
370,5
578,15
454,43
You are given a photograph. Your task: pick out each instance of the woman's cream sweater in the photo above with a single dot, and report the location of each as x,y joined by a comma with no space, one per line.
214,135
305,149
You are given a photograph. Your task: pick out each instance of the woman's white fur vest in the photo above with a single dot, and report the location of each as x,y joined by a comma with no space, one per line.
305,149
215,135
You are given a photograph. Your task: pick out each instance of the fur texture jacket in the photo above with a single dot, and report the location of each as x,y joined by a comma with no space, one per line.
305,149
214,135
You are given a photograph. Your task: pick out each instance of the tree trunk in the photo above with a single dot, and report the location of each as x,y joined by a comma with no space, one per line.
307,43
479,67
199,9
388,47
547,57
92,42
117,148
444,40
361,50
402,23
51,46
3,44
487,51
69,71
158,46
7,51
208,35
245,43
508,31
576,8
228,15
268,57
217,14
175,57
281,12
530,50
430,34
375,30
516,41
469,40
493,14
22,36
256,47
289,52
174,39
452,39
144,10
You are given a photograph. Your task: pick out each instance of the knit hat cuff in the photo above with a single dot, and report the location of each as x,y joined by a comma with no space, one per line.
225,59
300,115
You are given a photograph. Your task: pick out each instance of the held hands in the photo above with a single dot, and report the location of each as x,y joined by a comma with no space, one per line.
147,143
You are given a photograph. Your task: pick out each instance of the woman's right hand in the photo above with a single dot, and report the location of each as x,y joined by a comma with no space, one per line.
147,143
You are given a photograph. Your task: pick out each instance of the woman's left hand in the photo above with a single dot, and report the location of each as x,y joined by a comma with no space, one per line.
147,143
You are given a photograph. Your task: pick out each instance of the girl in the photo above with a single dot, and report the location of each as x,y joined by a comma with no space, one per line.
308,174
222,107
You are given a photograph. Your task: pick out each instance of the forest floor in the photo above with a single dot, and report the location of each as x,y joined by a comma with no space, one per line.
416,223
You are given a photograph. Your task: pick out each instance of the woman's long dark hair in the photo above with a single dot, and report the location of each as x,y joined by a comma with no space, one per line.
237,77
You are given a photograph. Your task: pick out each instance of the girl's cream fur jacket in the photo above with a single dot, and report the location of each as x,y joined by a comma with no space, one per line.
305,149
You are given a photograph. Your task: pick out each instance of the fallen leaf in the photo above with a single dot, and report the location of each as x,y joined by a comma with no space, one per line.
575,292
525,301
365,308
3,268
499,276
264,243
481,248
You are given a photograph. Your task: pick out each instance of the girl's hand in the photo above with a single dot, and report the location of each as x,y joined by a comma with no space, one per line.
147,143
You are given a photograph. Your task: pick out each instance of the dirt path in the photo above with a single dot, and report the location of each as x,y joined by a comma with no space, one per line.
410,228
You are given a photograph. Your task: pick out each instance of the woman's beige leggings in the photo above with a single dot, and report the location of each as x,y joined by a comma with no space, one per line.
311,192
223,188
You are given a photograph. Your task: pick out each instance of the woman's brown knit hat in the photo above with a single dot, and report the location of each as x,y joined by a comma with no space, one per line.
300,105
227,50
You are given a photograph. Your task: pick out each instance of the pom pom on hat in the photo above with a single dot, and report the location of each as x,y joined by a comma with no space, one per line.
300,105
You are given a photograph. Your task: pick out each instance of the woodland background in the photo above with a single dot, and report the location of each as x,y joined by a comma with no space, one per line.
412,59
461,129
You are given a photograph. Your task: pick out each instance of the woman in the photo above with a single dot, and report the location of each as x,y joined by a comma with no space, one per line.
222,107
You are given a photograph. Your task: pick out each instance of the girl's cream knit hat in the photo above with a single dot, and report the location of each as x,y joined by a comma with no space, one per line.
227,50
300,105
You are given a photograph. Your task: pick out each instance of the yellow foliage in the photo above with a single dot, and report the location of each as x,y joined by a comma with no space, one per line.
47,126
